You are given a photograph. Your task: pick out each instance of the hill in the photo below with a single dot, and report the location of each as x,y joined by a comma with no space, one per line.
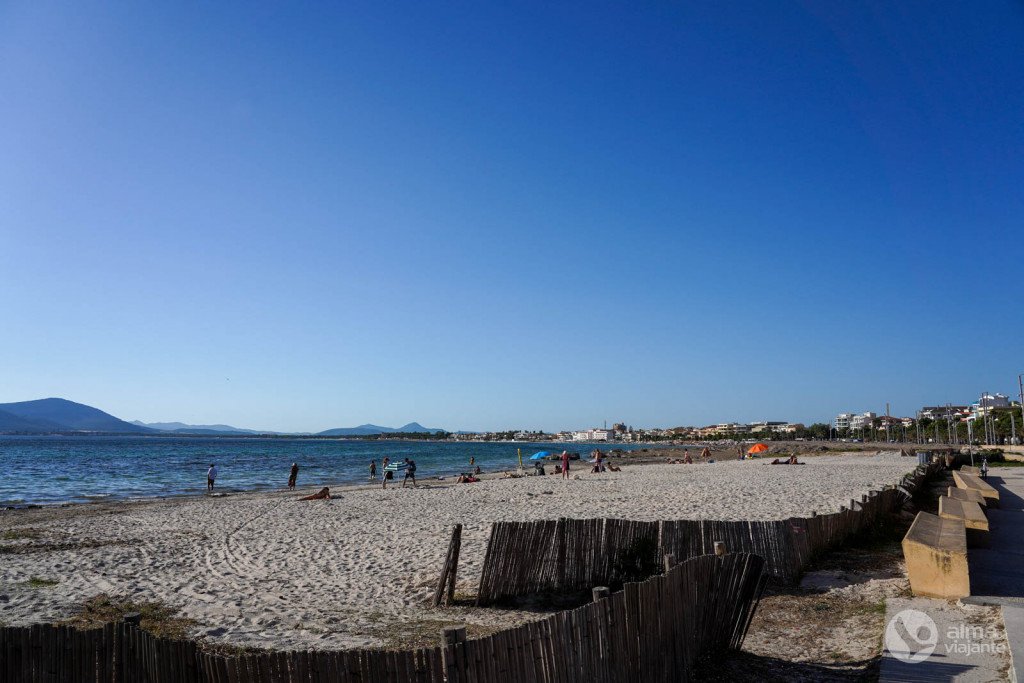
60,415
9,422
182,428
371,430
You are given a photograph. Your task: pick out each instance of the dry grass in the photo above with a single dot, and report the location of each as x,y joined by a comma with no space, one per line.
157,618
21,534
40,582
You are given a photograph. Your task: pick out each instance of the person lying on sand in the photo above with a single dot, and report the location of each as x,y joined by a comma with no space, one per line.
613,468
466,479
322,494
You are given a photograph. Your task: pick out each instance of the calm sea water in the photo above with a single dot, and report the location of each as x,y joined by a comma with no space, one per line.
57,469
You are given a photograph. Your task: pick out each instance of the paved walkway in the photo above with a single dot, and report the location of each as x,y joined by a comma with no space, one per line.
966,649
997,572
935,640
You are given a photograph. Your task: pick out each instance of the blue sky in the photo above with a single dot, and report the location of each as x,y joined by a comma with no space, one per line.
489,215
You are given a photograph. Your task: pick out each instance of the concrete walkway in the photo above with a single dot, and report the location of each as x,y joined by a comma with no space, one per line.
966,649
935,640
997,572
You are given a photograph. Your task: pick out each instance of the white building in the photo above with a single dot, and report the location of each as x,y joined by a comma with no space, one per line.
853,420
842,421
989,402
863,420
594,435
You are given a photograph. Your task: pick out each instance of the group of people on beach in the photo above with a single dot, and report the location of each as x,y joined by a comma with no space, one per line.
408,465
388,473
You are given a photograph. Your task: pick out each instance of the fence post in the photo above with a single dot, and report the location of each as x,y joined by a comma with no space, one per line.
452,654
720,549
445,592
133,619
600,593
670,561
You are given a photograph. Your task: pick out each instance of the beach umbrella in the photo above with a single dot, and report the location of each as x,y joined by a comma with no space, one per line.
540,455
757,448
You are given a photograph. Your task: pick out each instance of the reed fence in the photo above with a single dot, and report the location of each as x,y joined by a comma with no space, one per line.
526,558
657,630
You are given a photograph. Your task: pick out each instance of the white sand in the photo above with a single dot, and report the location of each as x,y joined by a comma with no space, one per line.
267,570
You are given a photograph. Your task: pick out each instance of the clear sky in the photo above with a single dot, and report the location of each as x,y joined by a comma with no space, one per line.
483,215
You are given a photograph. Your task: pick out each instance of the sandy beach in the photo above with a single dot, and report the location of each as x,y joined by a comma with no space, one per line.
266,570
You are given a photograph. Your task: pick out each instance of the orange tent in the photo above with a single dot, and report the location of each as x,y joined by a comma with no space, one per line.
757,448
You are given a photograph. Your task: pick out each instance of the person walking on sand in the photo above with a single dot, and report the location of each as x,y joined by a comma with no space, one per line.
211,476
373,470
410,472
565,464
292,476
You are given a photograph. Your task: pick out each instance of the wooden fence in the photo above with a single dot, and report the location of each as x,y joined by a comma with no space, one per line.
525,558
657,630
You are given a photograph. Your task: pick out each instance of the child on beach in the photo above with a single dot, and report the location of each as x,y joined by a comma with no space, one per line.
565,464
292,476
373,469
211,476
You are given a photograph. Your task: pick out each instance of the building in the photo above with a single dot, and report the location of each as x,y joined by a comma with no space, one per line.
862,421
989,402
842,421
594,435
942,412
758,427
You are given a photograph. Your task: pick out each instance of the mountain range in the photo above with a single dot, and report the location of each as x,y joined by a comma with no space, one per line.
182,428
56,415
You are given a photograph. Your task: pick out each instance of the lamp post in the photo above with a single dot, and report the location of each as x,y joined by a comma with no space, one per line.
1020,385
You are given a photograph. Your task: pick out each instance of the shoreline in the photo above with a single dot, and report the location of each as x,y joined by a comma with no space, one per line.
645,454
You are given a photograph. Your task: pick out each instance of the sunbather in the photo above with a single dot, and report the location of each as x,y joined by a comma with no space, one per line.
322,494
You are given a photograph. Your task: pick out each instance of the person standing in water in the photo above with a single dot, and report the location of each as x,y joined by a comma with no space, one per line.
565,464
373,469
293,475
211,476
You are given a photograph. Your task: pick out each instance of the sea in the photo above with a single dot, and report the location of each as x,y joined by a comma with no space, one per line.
51,470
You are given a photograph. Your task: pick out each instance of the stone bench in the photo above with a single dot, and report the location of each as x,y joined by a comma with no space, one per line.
970,514
935,550
970,469
966,494
973,482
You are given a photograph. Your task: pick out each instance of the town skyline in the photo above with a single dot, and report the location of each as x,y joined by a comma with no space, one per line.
842,421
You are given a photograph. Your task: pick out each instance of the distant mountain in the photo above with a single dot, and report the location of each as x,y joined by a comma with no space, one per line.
9,422
371,430
183,428
60,415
